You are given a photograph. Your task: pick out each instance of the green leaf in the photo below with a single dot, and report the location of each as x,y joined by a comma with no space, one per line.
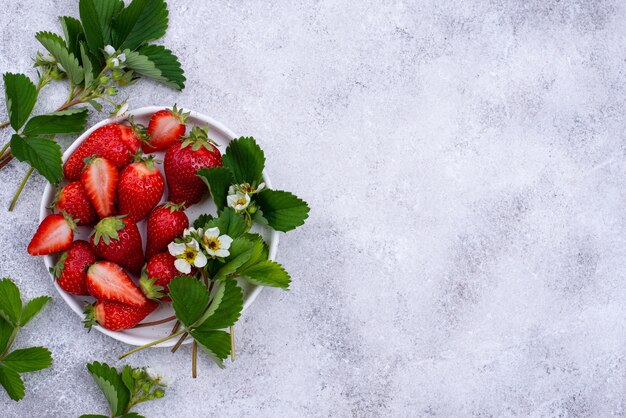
245,159
282,210
21,95
127,377
225,308
219,180
240,252
215,343
10,302
12,383
74,34
6,330
189,299
64,122
43,154
260,251
91,65
140,22
28,359
229,223
267,273
32,308
158,63
202,220
97,16
112,386
56,46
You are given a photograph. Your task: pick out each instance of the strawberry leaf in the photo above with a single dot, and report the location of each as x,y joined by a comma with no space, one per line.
158,63
21,95
260,251
245,159
112,386
240,252
225,308
32,308
267,273
189,299
140,22
43,154
28,359
283,211
12,383
10,302
74,34
229,223
215,343
64,122
6,331
97,16
219,180
56,46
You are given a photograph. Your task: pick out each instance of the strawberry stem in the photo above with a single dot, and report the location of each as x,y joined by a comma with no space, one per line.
180,341
19,189
150,344
159,322
232,343
194,359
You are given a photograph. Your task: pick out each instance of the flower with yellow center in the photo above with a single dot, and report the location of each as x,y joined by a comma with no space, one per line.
238,201
187,254
216,245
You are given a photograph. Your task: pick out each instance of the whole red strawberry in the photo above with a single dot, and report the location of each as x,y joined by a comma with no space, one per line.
108,281
100,179
182,162
157,276
54,234
74,201
166,223
71,269
140,188
117,316
115,142
117,239
166,127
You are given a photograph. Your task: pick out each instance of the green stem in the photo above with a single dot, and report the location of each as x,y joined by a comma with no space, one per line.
5,148
232,343
11,341
150,344
19,189
194,359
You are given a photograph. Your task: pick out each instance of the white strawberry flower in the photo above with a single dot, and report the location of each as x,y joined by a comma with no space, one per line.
188,232
187,254
122,57
115,62
109,50
238,201
216,245
47,57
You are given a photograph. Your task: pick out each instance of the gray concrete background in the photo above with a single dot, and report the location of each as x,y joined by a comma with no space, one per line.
465,255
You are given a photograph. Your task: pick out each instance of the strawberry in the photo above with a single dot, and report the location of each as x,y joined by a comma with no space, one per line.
73,199
100,182
166,223
159,271
108,281
140,188
182,161
166,128
71,269
54,234
115,142
117,239
116,316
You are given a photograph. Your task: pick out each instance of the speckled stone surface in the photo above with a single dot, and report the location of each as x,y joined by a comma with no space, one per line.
465,254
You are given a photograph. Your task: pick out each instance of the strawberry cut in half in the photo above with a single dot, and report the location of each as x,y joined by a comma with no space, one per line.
54,234
166,128
116,316
117,239
140,188
165,223
70,270
74,201
100,180
108,281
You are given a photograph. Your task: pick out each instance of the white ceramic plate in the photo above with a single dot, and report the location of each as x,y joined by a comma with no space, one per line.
139,336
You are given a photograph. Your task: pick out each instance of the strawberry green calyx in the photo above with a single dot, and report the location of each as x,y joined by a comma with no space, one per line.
148,160
150,289
58,267
89,160
199,137
178,112
68,218
107,229
140,130
173,207
91,316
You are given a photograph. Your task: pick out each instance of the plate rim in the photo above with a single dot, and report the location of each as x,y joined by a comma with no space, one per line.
48,195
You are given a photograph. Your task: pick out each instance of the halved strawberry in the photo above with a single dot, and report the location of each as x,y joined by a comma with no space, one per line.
108,281
116,316
166,127
140,188
71,269
100,182
73,199
55,233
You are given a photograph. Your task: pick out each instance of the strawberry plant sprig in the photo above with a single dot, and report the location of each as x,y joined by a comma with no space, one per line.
222,250
13,316
107,48
123,390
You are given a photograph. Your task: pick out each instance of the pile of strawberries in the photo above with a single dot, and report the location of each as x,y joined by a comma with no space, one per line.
111,186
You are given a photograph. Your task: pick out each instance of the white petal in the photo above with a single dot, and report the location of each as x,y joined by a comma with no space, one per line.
200,260
109,50
231,189
225,241
210,252
189,231
182,265
115,62
194,244
212,233
222,253
122,57
48,58
260,187
60,67
175,248
231,199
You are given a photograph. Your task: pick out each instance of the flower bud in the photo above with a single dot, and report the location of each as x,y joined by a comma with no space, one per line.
137,374
104,80
109,50
159,393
